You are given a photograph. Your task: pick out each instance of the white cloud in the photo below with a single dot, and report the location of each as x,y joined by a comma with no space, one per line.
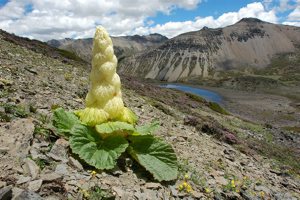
58,19
172,29
292,23
77,18
295,15
285,5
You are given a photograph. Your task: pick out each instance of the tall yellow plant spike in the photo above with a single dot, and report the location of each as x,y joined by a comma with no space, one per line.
104,99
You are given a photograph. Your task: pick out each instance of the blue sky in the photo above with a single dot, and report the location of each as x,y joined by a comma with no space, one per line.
47,19
207,8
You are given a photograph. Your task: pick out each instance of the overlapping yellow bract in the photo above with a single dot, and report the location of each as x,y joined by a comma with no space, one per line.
104,99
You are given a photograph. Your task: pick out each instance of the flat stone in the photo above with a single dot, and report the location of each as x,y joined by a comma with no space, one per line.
152,185
6,193
75,163
262,188
2,184
20,134
174,191
149,194
35,185
28,195
16,191
4,149
23,179
52,198
50,176
59,151
31,168
221,180
119,191
197,195
62,169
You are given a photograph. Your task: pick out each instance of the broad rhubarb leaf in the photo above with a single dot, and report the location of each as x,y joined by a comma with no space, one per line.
148,128
155,155
110,127
97,152
64,121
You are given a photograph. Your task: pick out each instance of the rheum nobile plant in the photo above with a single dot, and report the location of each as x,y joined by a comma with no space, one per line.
105,128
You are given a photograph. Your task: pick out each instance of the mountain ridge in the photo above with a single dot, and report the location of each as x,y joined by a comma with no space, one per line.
249,42
123,46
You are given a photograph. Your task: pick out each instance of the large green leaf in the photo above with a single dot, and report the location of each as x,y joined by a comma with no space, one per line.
64,121
97,152
110,127
148,128
155,155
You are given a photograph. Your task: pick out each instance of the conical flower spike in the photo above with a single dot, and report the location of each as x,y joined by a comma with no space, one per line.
104,99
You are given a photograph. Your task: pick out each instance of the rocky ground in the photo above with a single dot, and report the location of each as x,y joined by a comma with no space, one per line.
214,150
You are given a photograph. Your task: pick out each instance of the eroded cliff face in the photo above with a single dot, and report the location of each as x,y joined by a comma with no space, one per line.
200,54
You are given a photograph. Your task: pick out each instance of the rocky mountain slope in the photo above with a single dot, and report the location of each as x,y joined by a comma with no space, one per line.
124,46
250,43
223,156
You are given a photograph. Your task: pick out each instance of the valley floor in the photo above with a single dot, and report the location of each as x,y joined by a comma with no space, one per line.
261,107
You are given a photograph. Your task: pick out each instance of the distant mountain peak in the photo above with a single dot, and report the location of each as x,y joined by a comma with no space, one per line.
251,20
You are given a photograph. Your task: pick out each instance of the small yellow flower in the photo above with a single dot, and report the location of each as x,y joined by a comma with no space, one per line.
184,184
186,177
188,188
180,187
207,190
93,173
85,193
262,194
232,183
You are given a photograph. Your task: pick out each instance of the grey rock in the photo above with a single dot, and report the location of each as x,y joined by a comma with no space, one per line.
75,163
197,195
221,180
28,195
6,193
50,176
174,191
52,198
59,151
21,132
2,184
262,188
31,168
119,191
35,185
153,185
138,195
88,185
62,169
31,70
146,195
117,172
16,191
150,194
247,196
285,196
35,152
23,179
4,149
81,176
